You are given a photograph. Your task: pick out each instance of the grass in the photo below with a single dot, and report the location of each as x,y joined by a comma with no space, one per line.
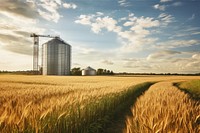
164,108
192,87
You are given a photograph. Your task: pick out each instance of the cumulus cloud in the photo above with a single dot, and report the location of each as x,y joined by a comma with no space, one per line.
162,1
177,4
196,56
49,10
159,7
138,33
69,5
99,13
133,38
107,62
97,23
84,20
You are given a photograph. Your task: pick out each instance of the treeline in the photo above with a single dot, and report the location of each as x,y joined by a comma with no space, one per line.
178,74
100,71
28,72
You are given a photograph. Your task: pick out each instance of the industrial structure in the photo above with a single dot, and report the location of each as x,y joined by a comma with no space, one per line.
56,57
36,48
89,71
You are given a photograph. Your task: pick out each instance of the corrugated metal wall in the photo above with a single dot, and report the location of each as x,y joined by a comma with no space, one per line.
56,58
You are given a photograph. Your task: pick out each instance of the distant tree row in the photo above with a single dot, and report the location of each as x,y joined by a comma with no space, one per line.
101,71
28,72
76,71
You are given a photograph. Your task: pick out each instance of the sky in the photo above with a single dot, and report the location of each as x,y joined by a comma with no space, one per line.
150,36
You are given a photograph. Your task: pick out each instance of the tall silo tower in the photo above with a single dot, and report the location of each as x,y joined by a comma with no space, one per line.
56,57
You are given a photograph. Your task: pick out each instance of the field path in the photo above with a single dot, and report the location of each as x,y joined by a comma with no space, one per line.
164,108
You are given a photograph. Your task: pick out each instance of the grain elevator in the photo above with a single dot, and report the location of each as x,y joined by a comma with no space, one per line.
56,57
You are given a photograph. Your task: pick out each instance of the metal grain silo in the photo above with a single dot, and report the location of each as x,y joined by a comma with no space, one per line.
88,71
56,57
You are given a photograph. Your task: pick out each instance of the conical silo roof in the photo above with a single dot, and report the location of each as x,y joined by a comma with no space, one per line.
57,40
89,68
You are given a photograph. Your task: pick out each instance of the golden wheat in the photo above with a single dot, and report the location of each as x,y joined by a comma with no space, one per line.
164,108
38,102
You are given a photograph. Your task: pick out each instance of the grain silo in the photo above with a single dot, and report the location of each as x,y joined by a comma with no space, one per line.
88,71
56,57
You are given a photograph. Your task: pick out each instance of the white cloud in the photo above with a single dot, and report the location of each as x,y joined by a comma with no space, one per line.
196,56
131,14
193,65
18,8
99,13
69,5
192,17
195,33
177,4
132,39
49,10
166,19
122,19
84,19
31,9
162,54
162,1
182,62
15,36
164,6
178,43
159,7
123,3
107,62
97,23
128,23
137,35
105,22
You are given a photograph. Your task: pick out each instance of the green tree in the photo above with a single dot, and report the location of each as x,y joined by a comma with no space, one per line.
76,71
100,71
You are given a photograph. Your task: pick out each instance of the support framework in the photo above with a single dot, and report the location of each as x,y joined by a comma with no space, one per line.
36,48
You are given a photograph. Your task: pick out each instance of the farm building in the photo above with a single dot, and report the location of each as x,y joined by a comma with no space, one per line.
56,57
89,71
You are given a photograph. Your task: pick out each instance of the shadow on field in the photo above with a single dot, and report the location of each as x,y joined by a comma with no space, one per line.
118,120
192,95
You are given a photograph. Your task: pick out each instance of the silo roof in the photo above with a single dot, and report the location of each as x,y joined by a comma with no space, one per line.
57,40
89,68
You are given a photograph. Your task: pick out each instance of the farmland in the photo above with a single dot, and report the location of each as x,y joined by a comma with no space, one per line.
90,104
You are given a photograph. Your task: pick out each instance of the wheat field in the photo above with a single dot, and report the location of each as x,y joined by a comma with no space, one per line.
60,104
164,109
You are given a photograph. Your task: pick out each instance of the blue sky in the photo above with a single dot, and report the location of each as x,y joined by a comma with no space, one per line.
158,36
